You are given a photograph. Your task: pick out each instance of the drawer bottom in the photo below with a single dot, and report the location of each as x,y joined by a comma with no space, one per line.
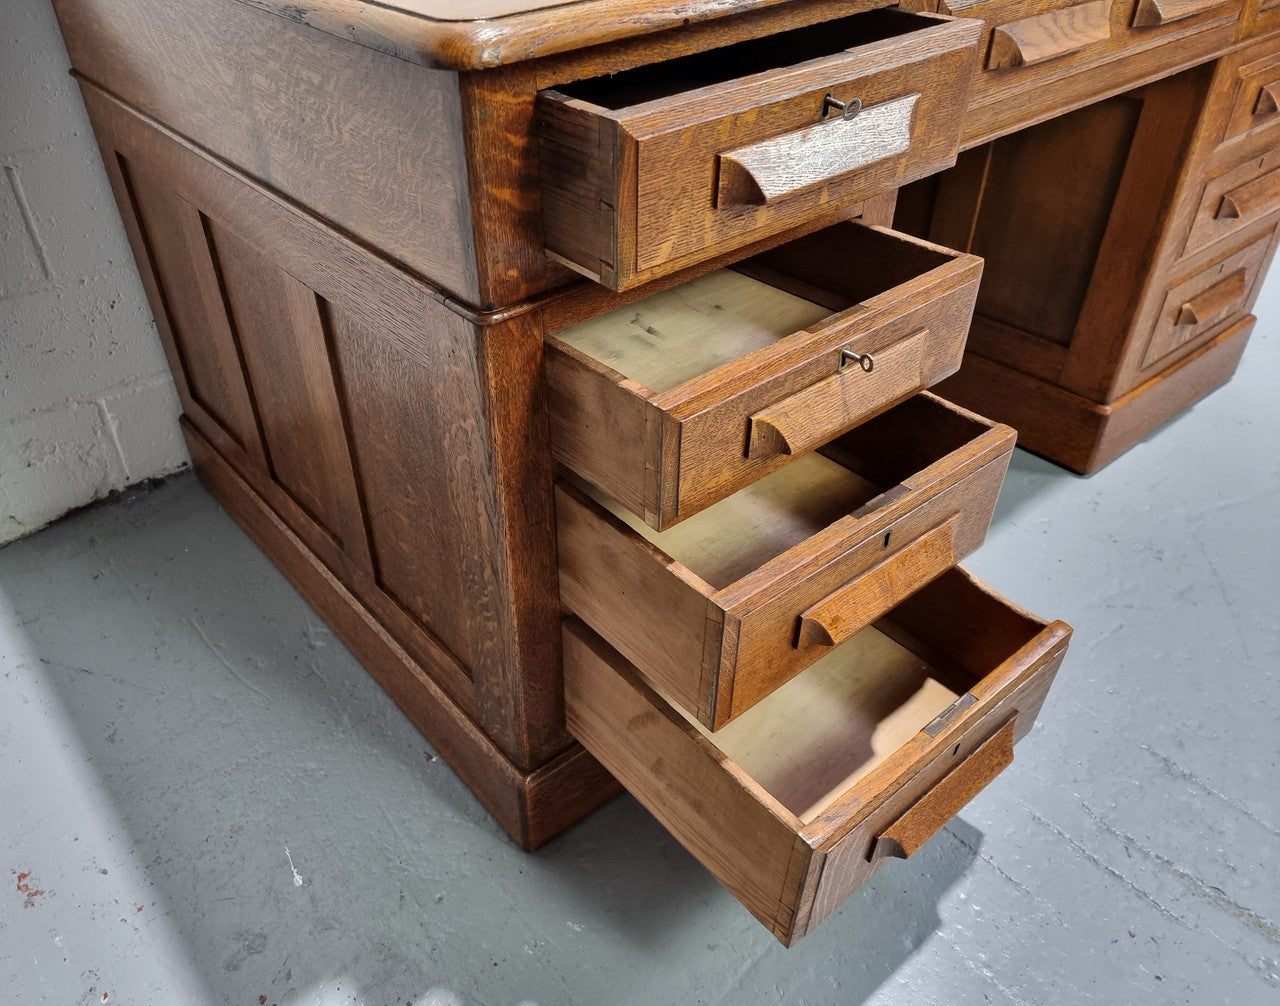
859,759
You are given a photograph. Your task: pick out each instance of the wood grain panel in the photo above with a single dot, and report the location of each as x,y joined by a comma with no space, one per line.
460,429
419,461
282,334
501,146
1043,200
1142,234
193,304
372,144
519,693
532,806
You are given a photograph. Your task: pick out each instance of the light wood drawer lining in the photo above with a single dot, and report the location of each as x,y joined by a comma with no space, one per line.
788,819
712,609
657,401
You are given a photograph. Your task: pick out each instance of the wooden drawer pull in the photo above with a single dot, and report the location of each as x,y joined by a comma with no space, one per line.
1152,13
1268,102
861,601
1251,199
947,798
1047,36
835,146
1214,301
814,415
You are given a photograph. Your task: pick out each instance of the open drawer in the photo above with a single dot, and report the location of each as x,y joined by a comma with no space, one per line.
722,609
655,168
672,402
860,759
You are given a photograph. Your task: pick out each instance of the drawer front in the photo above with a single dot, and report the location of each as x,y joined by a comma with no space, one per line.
1236,200
673,402
1062,34
1257,101
841,771
1222,292
1038,57
1029,33
724,608
635,189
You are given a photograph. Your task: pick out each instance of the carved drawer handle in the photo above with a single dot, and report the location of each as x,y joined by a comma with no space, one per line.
753,175
1268,102
1252,198
861,601
947,798
1152,13
817,413
1047,36
1213,301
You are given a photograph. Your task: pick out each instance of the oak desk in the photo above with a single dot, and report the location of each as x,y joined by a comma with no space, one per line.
571,360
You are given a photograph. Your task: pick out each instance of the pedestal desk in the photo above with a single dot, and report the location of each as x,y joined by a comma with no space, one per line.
572,359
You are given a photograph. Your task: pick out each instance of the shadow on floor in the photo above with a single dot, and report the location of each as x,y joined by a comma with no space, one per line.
309,844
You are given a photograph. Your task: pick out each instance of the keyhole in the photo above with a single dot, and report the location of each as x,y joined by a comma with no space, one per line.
887,535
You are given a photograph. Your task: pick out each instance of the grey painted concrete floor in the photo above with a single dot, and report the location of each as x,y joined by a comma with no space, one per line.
205,800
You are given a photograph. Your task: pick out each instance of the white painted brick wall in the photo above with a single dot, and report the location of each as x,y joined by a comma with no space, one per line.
86,403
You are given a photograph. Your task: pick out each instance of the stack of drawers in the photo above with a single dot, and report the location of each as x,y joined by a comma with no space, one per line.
1233,206
761,508
1220,233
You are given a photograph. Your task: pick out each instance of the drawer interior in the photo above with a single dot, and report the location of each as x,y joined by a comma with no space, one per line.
727,605
859,704
731,539
736,536
656,81
788,807
676,335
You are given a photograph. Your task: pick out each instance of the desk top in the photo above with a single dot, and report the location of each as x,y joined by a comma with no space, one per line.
479,34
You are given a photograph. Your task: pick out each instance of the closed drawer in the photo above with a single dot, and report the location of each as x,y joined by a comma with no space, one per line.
858,760
1178,14
653,169
673,402
1028,33
1236,200
1196,307
726,606
1257,100
1028,45
1266,18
